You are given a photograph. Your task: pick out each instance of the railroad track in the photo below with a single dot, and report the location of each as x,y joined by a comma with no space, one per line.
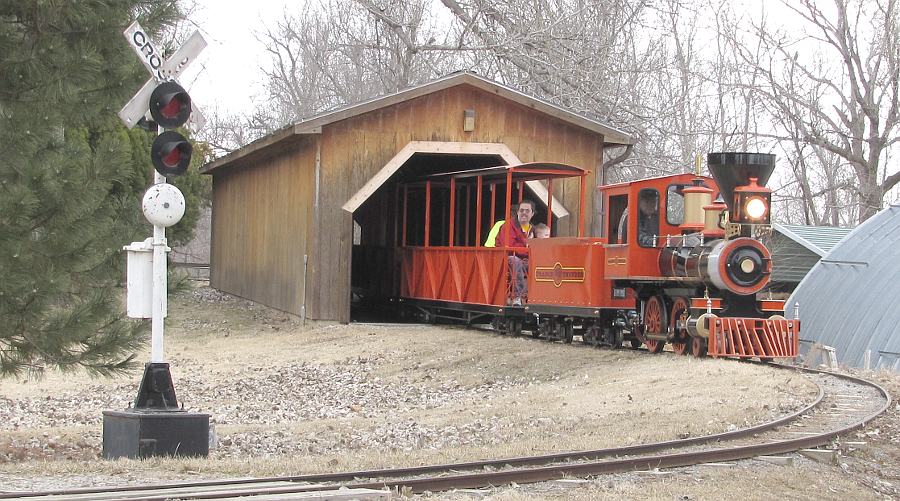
843,403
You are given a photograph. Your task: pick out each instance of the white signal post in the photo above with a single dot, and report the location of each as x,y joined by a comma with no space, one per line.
160,286
161,69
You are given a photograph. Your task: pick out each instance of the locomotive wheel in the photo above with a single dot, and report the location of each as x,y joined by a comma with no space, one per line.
680,337
568,332
698,347
654,323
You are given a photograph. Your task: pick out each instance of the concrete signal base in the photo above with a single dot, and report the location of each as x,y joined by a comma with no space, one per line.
143,433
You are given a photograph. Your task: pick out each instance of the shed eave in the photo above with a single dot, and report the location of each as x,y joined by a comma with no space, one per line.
256,146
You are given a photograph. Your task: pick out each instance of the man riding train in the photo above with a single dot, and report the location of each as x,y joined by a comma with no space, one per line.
515,233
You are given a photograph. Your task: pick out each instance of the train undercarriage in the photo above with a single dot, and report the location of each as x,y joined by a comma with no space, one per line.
688,323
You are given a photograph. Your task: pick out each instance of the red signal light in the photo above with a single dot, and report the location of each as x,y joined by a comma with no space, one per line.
170,105
171,153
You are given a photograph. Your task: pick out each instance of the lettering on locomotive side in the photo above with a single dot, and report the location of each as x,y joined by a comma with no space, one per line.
558,274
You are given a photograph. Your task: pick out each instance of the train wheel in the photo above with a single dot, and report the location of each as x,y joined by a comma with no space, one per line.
619,338
680,336
698,347
591,335
654,323
635,343
514,327
568,332
544,329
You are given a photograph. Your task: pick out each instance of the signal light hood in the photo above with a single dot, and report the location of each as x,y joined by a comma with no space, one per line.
733,169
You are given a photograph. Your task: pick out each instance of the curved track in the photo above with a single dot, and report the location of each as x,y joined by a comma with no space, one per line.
843,404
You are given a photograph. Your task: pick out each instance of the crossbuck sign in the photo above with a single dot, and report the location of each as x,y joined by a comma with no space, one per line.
161,69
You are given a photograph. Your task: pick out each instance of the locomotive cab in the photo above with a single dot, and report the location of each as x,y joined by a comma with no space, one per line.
640,217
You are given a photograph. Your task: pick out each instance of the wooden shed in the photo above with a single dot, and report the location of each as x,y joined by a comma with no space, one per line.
289,208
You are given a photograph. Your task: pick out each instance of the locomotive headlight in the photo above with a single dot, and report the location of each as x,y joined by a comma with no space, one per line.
755,208
751,204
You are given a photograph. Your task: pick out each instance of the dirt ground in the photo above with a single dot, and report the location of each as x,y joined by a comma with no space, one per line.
288,399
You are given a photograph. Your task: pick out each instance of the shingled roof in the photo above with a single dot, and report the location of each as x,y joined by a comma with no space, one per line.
818,239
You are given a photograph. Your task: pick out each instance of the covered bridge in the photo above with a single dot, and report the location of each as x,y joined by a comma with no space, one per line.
289,208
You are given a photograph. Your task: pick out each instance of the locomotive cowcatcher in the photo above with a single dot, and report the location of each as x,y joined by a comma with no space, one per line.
679,261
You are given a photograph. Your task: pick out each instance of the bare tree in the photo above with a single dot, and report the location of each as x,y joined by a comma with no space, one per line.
835,88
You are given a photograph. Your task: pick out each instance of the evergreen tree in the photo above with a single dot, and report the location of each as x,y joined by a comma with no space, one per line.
71,180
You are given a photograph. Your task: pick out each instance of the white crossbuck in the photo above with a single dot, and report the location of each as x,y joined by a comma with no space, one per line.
161,69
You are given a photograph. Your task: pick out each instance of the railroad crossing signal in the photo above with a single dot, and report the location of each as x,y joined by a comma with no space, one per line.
169,104
125,433
161,70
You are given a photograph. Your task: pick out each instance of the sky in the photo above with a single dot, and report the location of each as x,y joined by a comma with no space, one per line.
226,75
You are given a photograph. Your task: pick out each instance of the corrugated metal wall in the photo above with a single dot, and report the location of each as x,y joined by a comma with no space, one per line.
851,299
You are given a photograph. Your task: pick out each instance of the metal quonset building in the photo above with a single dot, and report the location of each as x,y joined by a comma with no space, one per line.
850,300
292,209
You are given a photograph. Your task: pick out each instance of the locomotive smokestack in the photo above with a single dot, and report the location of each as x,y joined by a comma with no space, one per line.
731,169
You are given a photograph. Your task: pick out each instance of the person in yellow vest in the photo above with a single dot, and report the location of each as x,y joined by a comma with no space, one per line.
492,235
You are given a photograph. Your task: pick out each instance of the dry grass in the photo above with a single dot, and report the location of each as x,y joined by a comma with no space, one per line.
550,397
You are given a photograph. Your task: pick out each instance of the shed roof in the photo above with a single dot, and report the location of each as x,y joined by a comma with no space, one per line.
818,239
848,299
313,125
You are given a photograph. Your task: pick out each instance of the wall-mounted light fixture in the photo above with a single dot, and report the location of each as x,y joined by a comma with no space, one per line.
469,122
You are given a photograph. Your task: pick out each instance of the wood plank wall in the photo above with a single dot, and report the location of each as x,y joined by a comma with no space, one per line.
260,219
353,150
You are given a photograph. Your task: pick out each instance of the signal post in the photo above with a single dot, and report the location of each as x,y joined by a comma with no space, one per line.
156,425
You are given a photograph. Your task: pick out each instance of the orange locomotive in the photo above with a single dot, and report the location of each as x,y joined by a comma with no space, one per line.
677,264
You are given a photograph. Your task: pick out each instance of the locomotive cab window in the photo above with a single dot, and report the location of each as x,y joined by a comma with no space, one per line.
648,217
675,204
617,216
